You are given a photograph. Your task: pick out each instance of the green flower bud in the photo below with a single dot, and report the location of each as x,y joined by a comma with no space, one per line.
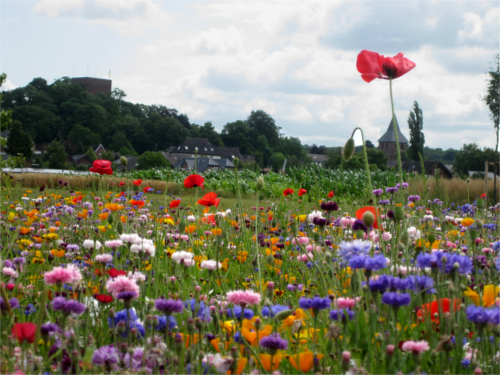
260,183
480,203
110,219
405,238
348,149
123,161
182,226
282,315
368,218
399,213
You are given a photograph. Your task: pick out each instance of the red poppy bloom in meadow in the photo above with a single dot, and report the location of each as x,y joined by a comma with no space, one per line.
175,203
430,309
113,272
145,190
103,298
77,199
137,182
371,65
24,331
194,180
287,192
101,167
302,192
361,212
331,194
209,199
137,203
121,183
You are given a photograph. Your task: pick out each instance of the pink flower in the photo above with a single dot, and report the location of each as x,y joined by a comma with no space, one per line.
210,265
416,347
243,297
104,258
122,284
68,275
305,257
10,272
486,250
300,241
113,244
344,303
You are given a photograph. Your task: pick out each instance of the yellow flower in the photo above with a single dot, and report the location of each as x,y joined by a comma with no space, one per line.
467,222
490,293
102,228
302,218
11,216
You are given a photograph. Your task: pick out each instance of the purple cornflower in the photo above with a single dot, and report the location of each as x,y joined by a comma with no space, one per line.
384,201
316,303
342,314
396,299
48,328
320,222
329,206
127,296
359,225
272,311
354,248
14,304
67,306
236,312
432,260
480,315
169,306
105,355
377,192
391,190
376,263
405,185
273,343
461,263
419,283
413,198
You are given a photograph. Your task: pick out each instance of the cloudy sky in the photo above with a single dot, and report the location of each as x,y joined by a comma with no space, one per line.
295,59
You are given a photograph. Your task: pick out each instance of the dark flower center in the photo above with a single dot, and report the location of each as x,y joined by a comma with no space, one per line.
390,69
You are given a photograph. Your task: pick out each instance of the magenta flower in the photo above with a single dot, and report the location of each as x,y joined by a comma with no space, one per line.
243,297
123,284
416,347
68,275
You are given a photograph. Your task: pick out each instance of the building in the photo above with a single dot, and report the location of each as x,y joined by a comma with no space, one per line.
318,159
387,143
430,168
81,160
131,163
94,85
204,164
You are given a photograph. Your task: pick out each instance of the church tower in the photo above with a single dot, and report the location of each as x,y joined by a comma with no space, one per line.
387,143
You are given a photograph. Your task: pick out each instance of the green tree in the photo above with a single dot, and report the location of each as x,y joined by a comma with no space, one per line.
82,138
19,142
264,124
417,138
120,141
118,94
236,134
108,155
291,146
472,158
6,116
276,161
57,155
152,159
91,154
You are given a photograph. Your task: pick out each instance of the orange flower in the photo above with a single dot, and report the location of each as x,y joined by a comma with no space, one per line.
190,228
361,212
217,231
57,253
265,359
251,336
24,230
103,216
123,219
305,360
113,206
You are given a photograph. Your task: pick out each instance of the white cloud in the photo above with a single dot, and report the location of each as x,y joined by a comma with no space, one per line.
299,113
475,27
8,85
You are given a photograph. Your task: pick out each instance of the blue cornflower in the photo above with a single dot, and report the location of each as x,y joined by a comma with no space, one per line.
376,263
162,323
381,284
342,315
316,303
496,246
272,311
419,283
273,343
29,309
463,261
236,312
121,316
396,299
354,248
432,260
497,264
477,314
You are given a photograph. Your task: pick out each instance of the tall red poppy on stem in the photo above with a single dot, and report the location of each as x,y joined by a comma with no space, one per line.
24,331
137,182
331,194
287,192
175,203
430,309
371,65
209,199
194,180
101,167
302,192
361,212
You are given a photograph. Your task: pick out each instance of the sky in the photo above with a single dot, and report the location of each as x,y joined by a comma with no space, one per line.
295,59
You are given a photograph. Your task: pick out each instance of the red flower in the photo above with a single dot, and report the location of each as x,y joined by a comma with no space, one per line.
77,199
113,272
361,212
24,331
145,190
175,203
287,191
331,194
103,298
137,203
102,167
371,65
137,182
194,180
483,196
121,183
209,199
429,309
302,192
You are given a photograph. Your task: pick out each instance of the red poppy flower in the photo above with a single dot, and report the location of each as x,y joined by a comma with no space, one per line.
103,298
287,191
302,192
77,199
483,196
137,182
361,212
113,272
371,65
137,203
101,167
430,309
175,203
331,194
209,199
121,183
194,180
24,331
210,219
145,190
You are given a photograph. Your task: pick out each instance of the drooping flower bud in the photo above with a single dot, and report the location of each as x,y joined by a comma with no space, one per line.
348,149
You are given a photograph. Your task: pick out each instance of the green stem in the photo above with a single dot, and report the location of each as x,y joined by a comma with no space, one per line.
395,126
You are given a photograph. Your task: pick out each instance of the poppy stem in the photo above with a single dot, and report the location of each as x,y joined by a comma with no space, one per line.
395,126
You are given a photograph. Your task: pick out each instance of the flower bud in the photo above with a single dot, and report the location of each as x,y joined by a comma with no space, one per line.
178,344
123,161
75,356
123,348
119,227
390,350
348,149
260,183
399,213
405,238
282,315
182,226
368,218
478,371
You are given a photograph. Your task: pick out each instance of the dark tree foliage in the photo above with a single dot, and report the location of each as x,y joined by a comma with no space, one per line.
152,159
19,142
314,149
472,158
417,138
57,155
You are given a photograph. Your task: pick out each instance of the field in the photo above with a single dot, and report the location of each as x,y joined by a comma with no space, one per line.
114,275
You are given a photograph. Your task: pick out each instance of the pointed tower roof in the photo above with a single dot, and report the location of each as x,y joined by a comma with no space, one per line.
389,137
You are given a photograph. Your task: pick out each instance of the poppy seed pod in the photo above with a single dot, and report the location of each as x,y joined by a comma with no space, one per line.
368,218
123,161
282,315
480,203
110,219
260,183
399,213
182,226
348,149
405,238
119,227
236,161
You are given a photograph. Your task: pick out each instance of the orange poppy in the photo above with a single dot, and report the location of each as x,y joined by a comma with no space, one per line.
265,359
103,216
303,361
113,206
242,362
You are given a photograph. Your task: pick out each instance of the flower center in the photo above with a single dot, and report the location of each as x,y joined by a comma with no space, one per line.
390,69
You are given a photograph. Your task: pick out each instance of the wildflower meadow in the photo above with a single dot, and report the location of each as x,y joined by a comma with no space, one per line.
132,279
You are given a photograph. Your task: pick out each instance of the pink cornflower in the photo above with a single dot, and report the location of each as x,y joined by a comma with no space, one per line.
305,257
10,272
68,275
416,347
104,258
122,284
300,241
344,303
210,265
113,244
243,297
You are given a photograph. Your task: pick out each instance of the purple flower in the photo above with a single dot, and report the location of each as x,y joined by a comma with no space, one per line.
405,185
329,206
127,296
359,225
273,343
169,306
414,198
377,192
236,312
376,263
480,315
319,221
105,355
432,260
354,248
67,306
316,303
14,304
461,263
272,311
48,328
342,315
384,201
396,299
391,190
